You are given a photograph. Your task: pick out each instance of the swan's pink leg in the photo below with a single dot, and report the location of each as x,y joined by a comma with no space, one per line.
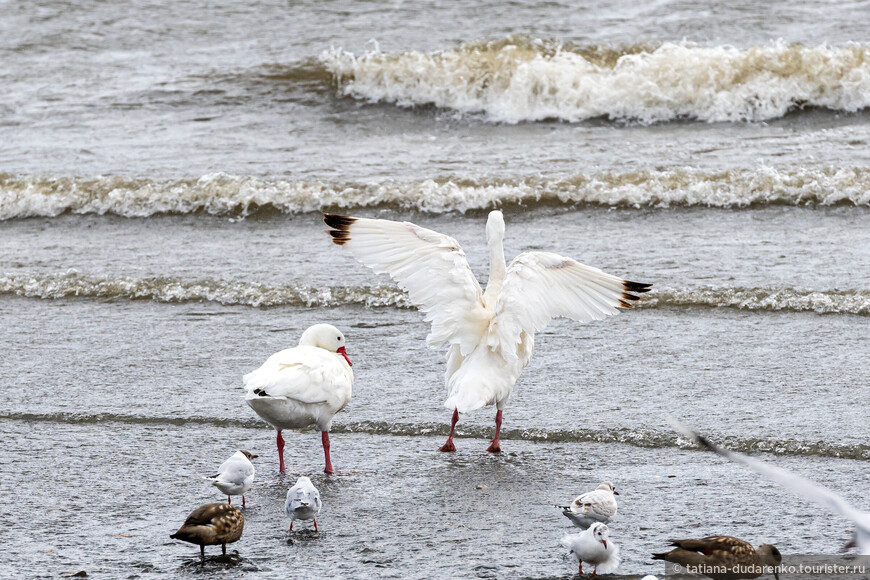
494,446
324,437
449,446
280,441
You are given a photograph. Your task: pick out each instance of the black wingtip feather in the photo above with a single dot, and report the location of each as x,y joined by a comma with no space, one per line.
629,288
638,287
704,442
341,227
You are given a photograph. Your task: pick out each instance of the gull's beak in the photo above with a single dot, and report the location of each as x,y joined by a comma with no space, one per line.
615,492
343,353
254,456
605,547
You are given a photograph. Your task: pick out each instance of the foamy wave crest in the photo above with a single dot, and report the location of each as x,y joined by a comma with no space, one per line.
765,299
73,284
518,79
223,194
645,438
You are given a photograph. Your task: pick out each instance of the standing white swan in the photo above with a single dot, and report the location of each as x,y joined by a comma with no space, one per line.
490,334
303,386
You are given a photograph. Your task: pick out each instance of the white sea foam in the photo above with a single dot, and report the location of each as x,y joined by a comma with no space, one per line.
223,194
164,289
518,79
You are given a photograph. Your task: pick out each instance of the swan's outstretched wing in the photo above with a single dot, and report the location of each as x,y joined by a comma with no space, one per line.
539,286
789,480
430,266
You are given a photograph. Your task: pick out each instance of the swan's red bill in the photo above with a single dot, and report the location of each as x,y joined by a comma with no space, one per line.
343,353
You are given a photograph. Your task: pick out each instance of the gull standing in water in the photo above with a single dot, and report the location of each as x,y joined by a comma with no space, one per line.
593,546
597,505
235,476
490,334
801,486
303,386
303,502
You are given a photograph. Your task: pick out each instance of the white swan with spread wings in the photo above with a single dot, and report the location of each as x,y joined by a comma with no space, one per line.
490,334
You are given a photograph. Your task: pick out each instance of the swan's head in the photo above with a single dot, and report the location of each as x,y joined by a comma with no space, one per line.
495,225
769,556
327,337
607,486
248,454
600,532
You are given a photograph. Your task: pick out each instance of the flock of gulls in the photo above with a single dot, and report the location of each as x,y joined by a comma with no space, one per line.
489,335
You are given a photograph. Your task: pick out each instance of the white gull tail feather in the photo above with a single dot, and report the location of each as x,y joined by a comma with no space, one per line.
490,334
797,484
303,386
593,546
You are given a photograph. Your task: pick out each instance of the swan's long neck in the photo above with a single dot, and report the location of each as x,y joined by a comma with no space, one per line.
495,241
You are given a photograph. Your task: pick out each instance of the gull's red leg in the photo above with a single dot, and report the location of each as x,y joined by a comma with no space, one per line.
315,526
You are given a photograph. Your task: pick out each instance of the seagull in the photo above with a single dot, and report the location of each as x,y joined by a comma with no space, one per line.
235,476
212,524
593,546
797,484
303,386
722,557
303,502
490,334
597,505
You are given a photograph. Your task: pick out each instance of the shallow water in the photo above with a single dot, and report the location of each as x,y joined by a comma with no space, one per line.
162,175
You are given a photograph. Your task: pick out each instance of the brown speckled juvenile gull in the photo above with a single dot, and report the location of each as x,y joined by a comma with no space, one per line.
722,557
212,524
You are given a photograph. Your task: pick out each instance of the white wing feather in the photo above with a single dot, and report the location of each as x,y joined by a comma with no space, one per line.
431,267
540,286
305,373
788,479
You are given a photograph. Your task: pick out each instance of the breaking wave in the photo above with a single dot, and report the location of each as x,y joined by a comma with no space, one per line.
224,194
519,79
646,438
164,289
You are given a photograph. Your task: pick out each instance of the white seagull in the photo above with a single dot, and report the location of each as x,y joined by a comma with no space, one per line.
303,502
490,333
797,484
303,386
235,476
593,546
598,505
